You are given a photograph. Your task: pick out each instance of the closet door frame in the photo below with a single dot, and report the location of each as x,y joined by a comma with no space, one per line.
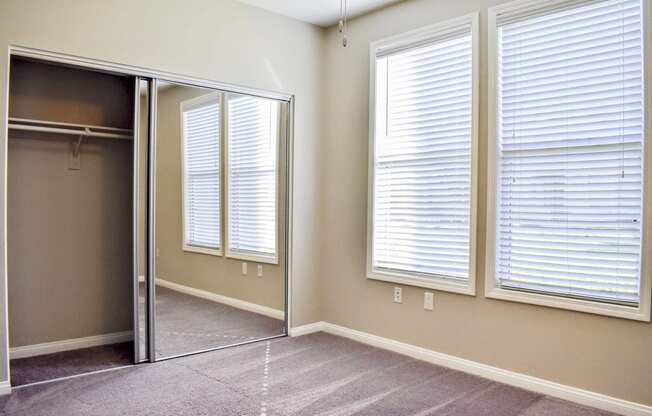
153,76
151,222
145,336
136,222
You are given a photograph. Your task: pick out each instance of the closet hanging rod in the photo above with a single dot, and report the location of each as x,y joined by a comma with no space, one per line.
61,124
69,128
86,133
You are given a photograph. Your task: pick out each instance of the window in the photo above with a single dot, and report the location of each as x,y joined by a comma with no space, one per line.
567,214
253,130
422,157
201,174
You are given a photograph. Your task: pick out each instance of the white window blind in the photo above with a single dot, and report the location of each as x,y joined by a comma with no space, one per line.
570,151
252,177
422,164
201,150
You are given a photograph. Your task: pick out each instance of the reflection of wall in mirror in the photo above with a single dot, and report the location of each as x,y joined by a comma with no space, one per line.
215,274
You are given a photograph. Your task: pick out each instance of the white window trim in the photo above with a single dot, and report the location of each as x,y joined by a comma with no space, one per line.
194,102
492,289
241,255
415,37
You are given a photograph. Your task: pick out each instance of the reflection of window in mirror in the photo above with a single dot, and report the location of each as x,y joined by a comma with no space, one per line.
251,178
200,126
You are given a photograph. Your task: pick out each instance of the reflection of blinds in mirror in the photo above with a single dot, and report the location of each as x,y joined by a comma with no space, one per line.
201,131
252,138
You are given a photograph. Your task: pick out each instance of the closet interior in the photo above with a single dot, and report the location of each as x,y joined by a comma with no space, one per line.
70,193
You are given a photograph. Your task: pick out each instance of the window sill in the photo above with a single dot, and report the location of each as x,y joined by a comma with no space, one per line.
639,313
256,258
202,250
424,281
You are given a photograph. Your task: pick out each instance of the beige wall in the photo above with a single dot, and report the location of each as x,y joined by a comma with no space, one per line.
606,355
222,40
69,231
215,274
68,238
243,45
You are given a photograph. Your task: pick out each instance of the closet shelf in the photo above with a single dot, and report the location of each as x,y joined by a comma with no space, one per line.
85,130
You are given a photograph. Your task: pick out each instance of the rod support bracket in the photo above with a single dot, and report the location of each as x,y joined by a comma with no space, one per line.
75,159
75,151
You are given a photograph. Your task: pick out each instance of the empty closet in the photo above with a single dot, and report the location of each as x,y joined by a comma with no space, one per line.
70,225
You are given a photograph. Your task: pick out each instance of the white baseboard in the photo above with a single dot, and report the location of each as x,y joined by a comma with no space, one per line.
236,303
69,344
5,388
297,331
538,385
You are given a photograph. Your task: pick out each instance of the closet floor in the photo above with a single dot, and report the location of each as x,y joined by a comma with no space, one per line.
69,363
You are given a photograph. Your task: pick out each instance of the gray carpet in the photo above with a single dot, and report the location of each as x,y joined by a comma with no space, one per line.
70,363
187,323
316,374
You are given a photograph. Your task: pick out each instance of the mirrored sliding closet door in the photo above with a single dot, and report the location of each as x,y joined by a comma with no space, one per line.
219,218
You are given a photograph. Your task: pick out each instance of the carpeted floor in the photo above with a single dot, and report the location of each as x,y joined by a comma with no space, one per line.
70,363
316,374
184,324
187,324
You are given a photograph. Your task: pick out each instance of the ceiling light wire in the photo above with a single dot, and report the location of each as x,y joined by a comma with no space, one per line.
343,23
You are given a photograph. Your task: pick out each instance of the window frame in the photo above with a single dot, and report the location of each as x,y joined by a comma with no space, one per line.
184,105
235,254
492,286
408,40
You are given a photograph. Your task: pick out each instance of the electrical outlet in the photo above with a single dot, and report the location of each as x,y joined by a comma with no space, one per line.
244,267
398,295
158,252
428,301
260,270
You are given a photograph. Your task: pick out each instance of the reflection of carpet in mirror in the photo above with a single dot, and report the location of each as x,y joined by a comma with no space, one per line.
187,323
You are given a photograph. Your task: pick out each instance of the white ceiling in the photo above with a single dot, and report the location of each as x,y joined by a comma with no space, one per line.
318,12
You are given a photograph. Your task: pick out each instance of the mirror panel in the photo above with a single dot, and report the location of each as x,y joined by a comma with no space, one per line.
219,219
